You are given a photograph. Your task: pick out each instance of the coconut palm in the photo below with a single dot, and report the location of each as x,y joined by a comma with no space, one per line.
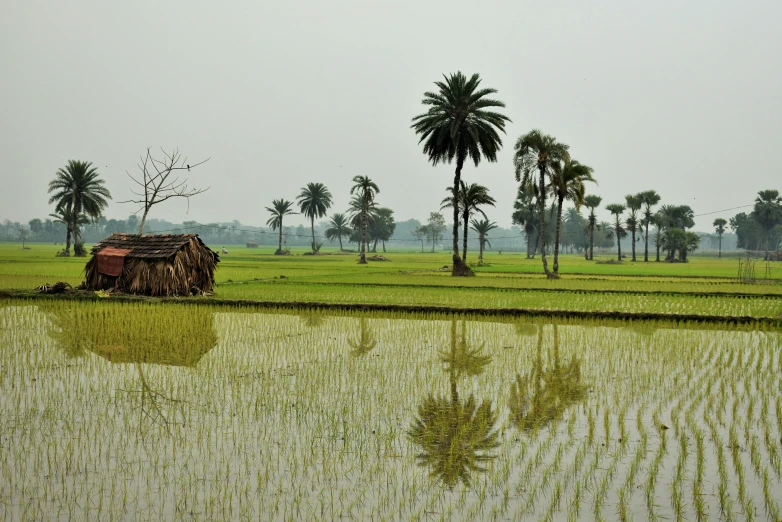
365,190
592,202
471,197
616,209
279,209
567,182
77,187
314,200
458,126
650,198
338,228
526,216
719,227
634,204
539,152
483,227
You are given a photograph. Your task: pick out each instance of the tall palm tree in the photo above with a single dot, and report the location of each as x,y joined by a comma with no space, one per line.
526,216
592,202
567,182
634,204
541,152
314,200
616,209
657,220
338,228
483,227
77,187
650,198
456,127
471,197
365,190
719,227
279,209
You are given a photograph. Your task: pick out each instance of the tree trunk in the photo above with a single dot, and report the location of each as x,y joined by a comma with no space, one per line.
374,246
465,219
529,246
646,243
618,242
632,234
480,254
542,228
279,246
384,247
340,242
719,256
67,239
657,245
312,225
560,198
591,237
362,259
460,268
143,221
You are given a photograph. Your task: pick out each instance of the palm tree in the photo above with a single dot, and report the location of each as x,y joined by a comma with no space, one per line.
71,222
650,198
279,209
526,216
338,228
616,209
77,187
568,183
483,228
634,203
471,197
456,127
314,201
657,220
719,226
592,202
541,152
365,190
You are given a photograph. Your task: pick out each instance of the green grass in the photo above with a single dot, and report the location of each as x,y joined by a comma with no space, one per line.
705,286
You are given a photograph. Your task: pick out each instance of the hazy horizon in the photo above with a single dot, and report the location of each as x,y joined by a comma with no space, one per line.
680,98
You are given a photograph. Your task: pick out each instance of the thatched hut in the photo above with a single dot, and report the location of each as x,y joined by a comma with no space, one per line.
154,265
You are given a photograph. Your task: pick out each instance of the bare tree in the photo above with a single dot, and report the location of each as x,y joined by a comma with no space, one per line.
160,181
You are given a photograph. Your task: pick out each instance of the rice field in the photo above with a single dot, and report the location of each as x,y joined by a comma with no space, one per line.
117,411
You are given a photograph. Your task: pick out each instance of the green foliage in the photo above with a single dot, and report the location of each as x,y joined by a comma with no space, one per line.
314,201
338,228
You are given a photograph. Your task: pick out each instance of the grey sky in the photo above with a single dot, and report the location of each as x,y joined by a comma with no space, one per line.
682,97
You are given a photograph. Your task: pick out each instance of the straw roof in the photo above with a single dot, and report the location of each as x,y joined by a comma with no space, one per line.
160,246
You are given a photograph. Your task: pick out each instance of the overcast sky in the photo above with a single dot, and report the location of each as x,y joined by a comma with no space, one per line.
681,97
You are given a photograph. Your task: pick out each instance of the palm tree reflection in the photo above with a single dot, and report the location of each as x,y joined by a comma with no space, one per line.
365,342
542,396
456,436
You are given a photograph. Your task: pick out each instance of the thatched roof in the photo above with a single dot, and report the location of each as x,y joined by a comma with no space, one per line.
161,246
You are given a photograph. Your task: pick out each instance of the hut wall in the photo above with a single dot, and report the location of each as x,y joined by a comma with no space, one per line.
189,271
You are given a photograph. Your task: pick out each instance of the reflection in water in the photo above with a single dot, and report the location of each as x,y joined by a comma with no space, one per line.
456,436
544,395
138,336
365,343
312,318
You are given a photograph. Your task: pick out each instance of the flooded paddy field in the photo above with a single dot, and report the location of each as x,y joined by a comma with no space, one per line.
123,411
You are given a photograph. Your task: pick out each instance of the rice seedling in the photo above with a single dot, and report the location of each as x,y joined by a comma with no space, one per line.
114,410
